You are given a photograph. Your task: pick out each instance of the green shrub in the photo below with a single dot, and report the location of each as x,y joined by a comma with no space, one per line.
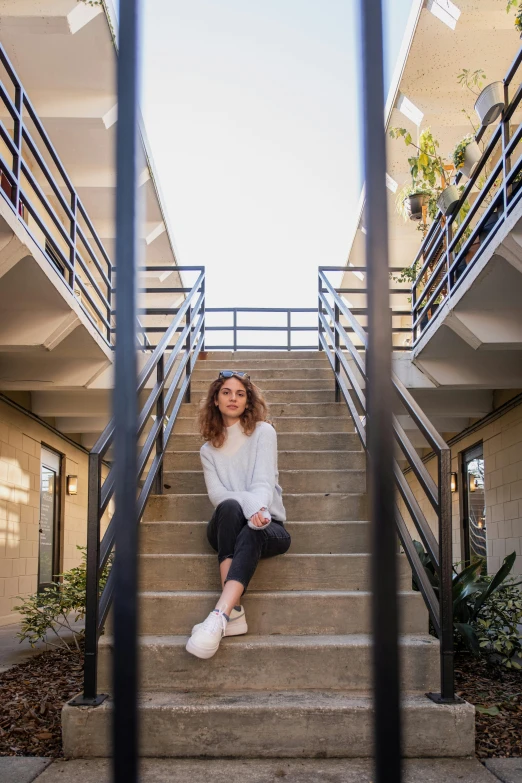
44,613
486,609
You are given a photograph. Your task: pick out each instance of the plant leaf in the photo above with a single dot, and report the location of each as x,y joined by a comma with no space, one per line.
495,583
494,710
469,636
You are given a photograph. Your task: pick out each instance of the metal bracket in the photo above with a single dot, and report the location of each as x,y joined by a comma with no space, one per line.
83,701
439,699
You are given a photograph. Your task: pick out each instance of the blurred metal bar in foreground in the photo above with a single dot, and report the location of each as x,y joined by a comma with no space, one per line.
125,402
387,732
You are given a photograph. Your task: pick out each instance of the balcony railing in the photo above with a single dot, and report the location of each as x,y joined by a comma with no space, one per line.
454,244
35,184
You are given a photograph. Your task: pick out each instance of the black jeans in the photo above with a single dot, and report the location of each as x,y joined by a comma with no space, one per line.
228,533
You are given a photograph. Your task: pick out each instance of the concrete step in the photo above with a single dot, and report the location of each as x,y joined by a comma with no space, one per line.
304,409
286,441
282,424
192,481
283,612
276,396
245,356
287,572
251,366
295,370
280,663
305,507
270,725
176,538
305,381
288,460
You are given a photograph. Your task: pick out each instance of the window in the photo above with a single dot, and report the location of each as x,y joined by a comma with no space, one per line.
48,551
473,508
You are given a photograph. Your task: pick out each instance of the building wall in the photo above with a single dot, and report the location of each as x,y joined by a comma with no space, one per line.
21,439
502,444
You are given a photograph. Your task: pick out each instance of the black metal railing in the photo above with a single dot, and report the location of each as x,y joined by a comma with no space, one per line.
172,360
35,184
401,333
345,348
454,244
231,326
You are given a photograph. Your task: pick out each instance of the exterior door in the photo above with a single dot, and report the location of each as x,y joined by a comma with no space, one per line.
48,555
474,507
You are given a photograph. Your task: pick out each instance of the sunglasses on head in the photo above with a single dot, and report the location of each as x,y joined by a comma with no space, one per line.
232,373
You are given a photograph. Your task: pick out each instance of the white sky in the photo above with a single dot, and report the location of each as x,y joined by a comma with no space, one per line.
252,115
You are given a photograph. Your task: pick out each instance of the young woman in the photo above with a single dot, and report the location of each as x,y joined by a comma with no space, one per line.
239,461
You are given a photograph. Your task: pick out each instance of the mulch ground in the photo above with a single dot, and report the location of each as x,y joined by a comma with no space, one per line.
32,695
498,690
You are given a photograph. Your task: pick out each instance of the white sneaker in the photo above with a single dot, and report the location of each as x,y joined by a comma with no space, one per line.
236,626
205,641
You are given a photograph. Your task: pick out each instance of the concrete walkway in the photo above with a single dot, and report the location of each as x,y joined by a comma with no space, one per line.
23,770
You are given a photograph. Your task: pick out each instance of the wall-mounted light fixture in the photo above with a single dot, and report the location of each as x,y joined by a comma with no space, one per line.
453,482
473,483
72,485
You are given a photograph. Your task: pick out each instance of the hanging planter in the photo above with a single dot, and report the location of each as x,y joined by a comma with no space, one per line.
466,155
414,203
490,103
448,199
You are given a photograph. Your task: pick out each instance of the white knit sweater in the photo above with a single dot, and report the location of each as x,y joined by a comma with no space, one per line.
248,475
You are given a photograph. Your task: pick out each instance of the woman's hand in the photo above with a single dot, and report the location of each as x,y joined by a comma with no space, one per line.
258,519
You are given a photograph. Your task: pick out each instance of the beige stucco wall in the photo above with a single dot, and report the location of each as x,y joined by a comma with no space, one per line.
502,444
21,439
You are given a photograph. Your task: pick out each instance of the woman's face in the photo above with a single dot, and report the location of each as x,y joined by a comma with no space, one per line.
231,400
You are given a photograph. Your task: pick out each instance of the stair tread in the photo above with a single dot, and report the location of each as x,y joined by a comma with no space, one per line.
280,640
330,594
290,521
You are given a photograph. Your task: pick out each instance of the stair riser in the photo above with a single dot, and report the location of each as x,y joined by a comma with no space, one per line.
304,381
347,667
242,357
288,460
286,441
259,376
295,613
282,425
176,538
305,508
276,727
278,409
289,572
274,397
298,481
251,366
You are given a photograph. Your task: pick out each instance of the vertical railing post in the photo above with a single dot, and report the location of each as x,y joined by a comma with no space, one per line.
235,329
18,139
319,311
337,319
187,349
203,307
288,330
90,697
72,254
387,720
506,162
125,402
447,685
160,413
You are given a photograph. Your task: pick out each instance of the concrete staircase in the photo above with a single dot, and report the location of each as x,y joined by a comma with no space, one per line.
298,685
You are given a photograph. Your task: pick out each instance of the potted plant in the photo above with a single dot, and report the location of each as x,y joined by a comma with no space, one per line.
466,155
427,169
490,99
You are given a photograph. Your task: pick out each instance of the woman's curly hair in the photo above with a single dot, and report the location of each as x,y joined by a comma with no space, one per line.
211,424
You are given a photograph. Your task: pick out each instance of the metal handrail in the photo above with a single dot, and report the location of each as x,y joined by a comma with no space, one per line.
172,361
442,278
340,352
58,221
